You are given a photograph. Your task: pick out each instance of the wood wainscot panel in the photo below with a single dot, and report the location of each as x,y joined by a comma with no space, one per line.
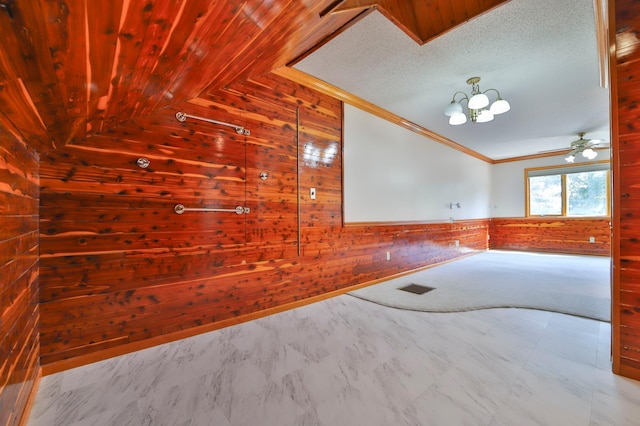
19,342
624,67
119,268
555,235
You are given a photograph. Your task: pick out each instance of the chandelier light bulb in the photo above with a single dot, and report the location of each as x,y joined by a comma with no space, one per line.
500,106
589,154
484,116
477,105
478,101
457,119
452,108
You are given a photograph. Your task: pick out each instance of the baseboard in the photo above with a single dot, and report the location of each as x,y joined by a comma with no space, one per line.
549,251
67,364
26,412
628,372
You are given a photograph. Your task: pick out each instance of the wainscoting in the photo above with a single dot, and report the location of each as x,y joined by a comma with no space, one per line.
119,267
625,80
19,353
554,235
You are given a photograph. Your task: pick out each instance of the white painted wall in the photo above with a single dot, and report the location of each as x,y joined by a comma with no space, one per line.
392,174
507,183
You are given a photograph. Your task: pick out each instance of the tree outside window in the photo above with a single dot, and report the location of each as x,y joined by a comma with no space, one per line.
583,193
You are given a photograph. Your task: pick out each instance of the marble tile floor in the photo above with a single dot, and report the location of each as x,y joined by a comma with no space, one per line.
345,361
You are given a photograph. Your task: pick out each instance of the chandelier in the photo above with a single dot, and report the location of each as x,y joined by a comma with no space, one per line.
476,104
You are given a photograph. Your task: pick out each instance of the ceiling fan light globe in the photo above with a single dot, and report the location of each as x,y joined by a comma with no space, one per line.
589,154
457,119
478,101
570,158
484,116
452,108
500,106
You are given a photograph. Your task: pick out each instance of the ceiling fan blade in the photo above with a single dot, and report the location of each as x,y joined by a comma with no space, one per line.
558,150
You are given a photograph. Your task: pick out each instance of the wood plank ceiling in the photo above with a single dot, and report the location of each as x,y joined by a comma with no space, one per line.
73,68
423,20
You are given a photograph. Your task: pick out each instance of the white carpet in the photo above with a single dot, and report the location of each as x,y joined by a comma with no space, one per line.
576,285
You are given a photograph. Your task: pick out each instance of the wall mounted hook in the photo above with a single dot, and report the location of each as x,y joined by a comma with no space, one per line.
143,163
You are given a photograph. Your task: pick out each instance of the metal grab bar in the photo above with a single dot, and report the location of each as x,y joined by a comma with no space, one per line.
180,208
182,117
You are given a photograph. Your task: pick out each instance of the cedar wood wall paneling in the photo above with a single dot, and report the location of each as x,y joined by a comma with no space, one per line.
628,276
19,364
554,235
119,266
625,75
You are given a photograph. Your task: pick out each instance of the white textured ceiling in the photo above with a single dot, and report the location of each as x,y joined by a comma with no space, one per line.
540,54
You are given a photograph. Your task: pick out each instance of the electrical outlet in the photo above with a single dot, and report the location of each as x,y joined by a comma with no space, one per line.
312,193
388,255
457,243
592,240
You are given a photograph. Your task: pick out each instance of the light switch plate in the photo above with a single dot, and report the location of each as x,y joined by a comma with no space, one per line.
312,193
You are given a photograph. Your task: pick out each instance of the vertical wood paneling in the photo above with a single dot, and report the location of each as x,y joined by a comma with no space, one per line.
19,347
555,235
625,98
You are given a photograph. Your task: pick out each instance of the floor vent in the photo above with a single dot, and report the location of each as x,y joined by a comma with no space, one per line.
416,288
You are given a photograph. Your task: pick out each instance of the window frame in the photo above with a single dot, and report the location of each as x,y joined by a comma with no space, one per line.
563,170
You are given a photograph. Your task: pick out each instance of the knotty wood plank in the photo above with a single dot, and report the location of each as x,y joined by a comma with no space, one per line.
186,48
99,292
25,37
19,312
557,235
66,33
104,39
144,33
625,76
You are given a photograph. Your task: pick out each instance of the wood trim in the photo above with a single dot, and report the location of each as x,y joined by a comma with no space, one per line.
567,166
547,218
329,9
539,155
342,199
337,93
615,214
602,41
630,372
298,193
409,222
531,157
565,201
564,194
526,194
67,364
24,418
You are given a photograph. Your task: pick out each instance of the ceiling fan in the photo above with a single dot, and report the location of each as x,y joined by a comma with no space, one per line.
583,146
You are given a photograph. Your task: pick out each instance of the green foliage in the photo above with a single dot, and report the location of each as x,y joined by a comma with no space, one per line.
585,192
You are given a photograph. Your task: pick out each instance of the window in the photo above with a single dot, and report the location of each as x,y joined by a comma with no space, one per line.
568,191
